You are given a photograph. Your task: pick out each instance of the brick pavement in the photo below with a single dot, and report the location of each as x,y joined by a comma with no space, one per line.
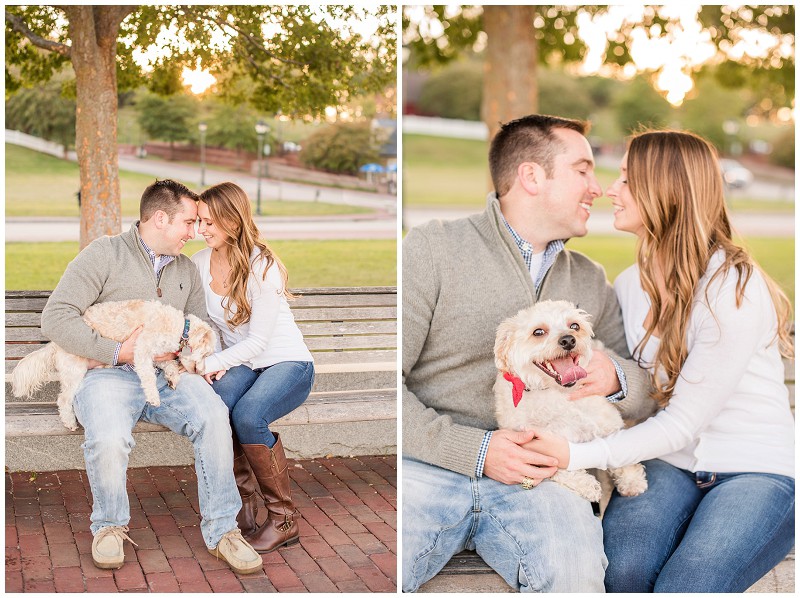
348,538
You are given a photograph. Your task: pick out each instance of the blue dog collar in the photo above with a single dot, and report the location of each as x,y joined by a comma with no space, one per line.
185,335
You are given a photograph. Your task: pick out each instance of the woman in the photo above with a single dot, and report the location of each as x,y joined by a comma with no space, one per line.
711,328
265,370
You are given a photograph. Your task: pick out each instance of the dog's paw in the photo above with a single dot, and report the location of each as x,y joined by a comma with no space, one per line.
632,487
592,492
70,421
630,480
580,482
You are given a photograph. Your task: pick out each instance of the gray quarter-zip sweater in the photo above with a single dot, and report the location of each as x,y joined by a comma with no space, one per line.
115,269
460,280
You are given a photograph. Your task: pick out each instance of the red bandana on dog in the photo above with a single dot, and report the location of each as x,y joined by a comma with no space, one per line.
518,387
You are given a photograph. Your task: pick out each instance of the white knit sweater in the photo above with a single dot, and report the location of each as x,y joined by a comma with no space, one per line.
730,409
271,335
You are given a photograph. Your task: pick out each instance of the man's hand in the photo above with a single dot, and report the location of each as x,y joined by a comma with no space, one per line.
508,461
125,354
549,444
211,376
601,378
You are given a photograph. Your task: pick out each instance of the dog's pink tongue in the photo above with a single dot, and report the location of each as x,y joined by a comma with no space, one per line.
568,370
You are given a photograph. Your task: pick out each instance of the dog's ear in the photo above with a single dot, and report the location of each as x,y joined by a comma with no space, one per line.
502,344
202,337
207,341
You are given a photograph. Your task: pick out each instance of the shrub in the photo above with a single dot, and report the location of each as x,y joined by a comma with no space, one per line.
783,149
341,148
454,92
43,111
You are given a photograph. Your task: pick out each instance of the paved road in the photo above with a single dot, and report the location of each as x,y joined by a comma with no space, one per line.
270,189
748,224
380,225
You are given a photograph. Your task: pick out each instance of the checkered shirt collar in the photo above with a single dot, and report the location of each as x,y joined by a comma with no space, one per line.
163,260
526,249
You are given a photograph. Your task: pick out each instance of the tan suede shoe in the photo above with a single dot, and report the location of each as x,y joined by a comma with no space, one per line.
234,550
107,551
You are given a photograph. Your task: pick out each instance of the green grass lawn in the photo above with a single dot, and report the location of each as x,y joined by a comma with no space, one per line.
776,256
442,172
41,185
39,266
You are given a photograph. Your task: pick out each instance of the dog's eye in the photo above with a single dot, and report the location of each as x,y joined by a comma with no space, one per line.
539,332
575,326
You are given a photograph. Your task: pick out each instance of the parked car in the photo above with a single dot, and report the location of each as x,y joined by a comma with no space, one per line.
736,176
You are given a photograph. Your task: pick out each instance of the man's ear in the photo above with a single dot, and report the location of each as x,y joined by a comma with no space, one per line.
160,219
530,176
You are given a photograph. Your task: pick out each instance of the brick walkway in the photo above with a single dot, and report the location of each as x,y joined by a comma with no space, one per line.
348,538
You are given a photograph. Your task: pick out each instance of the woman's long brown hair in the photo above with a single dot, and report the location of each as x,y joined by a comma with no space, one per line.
676,181
229,208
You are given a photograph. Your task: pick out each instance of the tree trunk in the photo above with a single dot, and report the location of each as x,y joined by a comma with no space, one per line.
510,89
93,32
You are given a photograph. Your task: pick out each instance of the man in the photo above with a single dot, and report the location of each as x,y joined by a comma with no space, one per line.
145,263
461,477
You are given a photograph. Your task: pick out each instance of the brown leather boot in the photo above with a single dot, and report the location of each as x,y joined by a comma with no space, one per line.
248,489
271,469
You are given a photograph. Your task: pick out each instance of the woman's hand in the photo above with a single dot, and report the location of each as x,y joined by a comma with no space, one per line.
601,378
211,376
552,445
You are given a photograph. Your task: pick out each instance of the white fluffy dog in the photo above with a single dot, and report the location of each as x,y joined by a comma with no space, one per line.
540,353
165,330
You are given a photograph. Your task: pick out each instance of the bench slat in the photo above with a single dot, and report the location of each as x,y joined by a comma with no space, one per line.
339,314
335,314
329,314
327,358
307,301
355,357
33,319
24,335
20,350
41,419
25,303
378,341
35,302
299,290
29,334
349,328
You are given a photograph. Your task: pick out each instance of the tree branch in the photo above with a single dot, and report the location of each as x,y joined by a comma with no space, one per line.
261,70
18,25
111,17
251,40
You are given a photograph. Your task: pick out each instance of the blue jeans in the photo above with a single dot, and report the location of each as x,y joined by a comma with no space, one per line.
541,540
703,532
108,404
256,398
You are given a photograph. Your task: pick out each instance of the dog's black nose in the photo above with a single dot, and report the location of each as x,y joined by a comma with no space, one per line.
567,342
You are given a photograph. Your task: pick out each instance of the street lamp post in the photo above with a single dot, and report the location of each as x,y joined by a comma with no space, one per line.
203,127
261,130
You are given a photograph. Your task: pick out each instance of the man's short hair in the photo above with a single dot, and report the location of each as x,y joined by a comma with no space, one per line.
527,139
166,196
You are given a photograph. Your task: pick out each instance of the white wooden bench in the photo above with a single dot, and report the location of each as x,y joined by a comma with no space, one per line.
467,572
352,410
